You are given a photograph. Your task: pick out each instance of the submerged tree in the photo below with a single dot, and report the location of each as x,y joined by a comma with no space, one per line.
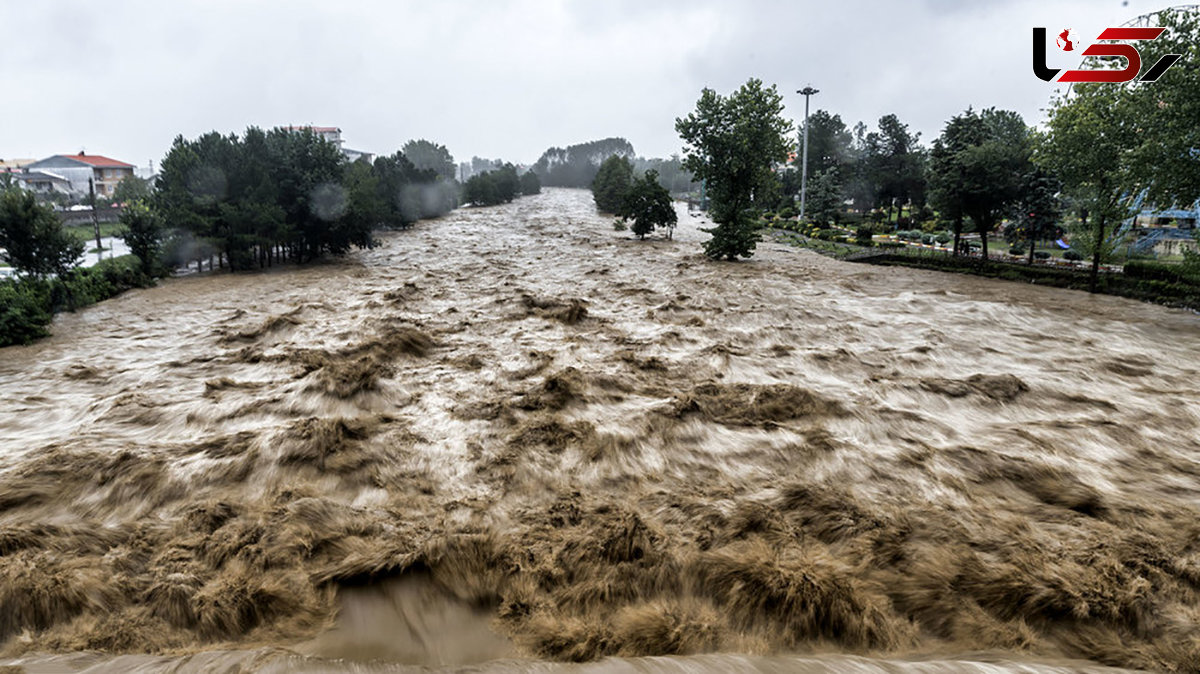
733,143
530,184
649,205
612,184
491,188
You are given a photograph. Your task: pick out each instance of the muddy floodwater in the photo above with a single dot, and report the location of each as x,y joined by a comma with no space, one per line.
514,439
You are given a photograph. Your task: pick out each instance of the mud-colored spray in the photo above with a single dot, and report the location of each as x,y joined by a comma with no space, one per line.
514,433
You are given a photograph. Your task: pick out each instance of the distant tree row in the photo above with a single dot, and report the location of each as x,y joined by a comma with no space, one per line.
499,186
578,165
287,194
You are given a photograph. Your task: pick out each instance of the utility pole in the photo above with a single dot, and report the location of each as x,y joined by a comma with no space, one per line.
95,217
807,91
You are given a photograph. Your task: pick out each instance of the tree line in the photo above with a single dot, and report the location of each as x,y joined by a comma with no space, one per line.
288,194
1104,149
238,201
578,165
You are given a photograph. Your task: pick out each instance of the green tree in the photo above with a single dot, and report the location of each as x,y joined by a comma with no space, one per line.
733,143
480,190
508,184
34,241
530,184
895,164
131,189
824,196
829,143
612,184
1037,210
426,155
143,234
977,170
649,205
1087,139
1165,160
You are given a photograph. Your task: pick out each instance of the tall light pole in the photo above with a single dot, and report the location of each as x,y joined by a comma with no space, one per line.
807,91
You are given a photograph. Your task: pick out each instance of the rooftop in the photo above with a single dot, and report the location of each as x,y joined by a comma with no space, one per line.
98,160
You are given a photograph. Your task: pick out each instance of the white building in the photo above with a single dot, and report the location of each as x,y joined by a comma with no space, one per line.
334,135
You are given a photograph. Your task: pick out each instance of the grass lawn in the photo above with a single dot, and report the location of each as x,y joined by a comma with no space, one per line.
88,232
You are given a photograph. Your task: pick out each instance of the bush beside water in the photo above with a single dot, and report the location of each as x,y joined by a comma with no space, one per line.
28,305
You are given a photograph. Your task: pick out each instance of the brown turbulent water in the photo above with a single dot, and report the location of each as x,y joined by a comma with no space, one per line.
515,436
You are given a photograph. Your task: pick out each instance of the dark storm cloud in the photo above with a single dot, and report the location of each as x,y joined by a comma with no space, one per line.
504,79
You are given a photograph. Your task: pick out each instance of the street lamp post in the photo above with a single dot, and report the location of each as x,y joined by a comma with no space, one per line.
807,91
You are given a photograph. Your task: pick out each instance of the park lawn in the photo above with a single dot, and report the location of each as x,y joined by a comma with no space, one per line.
87,233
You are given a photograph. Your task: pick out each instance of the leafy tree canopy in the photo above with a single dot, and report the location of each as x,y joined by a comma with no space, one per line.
612,184
426,155
733,144
649,205
33,238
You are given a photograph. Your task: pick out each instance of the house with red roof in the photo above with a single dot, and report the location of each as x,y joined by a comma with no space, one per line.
82,169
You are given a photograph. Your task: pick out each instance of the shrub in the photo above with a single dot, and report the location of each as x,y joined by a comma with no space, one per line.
943,238
1016,250
1072,255
1041,255
24,311
927,239
862,236
1157,271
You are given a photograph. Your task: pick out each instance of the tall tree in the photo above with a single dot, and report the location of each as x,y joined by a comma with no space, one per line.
978,167
829,143
1087,139
895,164
1166,114
1037,210
733,143
824,196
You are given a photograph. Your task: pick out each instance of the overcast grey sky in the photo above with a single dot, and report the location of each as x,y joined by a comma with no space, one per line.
502,79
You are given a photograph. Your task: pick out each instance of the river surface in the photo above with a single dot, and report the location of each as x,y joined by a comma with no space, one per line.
514,438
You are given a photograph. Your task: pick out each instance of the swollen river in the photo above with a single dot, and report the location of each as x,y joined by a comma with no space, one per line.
514,438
